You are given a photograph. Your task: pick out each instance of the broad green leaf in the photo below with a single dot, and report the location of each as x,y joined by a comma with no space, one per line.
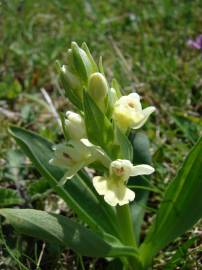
126,148
99,128
142,155
181,207
65,232
76,192
9,197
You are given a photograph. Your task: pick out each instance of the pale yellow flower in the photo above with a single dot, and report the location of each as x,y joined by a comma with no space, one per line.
97,87
113,187
74,155
128,112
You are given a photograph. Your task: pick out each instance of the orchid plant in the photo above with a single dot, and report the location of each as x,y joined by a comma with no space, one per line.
102,134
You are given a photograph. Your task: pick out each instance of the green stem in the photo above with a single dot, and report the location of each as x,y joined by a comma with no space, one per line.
128,235
126,225
147,253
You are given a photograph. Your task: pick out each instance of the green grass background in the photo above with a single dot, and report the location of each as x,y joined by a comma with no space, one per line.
144,46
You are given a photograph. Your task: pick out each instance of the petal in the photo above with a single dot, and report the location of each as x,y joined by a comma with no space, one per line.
59,161
100,184
86,142
77,151
121,168
134,95
129,196
149,110
146,113
120,194
97,153
142,169
110,198
193,44
199,39
114,193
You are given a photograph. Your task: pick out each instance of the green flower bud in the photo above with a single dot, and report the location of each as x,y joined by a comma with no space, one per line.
70,61
112,96
98,88
70,80
116,87
85,48
82,63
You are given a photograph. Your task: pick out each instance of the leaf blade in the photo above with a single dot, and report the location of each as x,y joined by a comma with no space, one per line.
126,148
75,193
142,155
99,129
61,230
177,212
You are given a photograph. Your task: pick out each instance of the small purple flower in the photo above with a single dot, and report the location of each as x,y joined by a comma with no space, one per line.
195,44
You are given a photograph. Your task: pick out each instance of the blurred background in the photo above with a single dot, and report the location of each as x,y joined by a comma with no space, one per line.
144,46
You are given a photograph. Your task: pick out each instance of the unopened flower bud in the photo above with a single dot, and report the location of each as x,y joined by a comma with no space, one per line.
85,48
75,125
71,84
71,80
98,88
112,96
70,61
82,62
